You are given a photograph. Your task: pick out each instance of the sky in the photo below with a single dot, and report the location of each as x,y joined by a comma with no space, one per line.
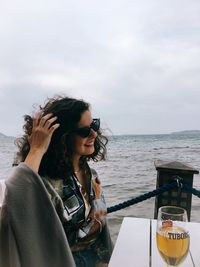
136,62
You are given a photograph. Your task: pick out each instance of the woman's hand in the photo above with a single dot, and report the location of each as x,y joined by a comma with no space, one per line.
99,207
40,139
42,132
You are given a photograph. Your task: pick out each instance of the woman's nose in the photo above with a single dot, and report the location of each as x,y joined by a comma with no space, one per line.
93,133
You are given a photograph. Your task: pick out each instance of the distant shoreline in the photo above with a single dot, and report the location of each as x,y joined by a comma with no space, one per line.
5,136
187,132
151,134
147,134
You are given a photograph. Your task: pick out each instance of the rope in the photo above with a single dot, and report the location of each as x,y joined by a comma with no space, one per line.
191,190
159,191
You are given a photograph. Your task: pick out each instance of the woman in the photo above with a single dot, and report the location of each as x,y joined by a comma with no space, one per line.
54,210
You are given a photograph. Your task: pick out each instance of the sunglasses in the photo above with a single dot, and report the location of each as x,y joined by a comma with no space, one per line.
85,131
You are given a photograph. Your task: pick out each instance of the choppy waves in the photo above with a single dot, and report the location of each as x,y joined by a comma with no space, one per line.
129,170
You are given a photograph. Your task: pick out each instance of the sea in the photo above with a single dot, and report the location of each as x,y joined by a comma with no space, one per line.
129,170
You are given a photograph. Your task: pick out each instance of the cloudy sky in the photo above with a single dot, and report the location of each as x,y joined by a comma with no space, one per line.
136,62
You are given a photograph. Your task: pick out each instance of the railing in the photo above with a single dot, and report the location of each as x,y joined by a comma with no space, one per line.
174,185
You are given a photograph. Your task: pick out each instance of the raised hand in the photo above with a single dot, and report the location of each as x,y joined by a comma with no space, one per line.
42,132
40,138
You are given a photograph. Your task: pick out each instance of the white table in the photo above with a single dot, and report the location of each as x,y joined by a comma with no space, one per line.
136,245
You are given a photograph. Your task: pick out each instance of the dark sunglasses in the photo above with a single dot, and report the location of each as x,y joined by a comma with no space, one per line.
85,131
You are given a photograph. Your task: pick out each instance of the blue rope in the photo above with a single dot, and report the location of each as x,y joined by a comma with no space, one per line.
191,190
160,190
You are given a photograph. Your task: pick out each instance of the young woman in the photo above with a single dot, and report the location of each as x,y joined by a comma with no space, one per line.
54,212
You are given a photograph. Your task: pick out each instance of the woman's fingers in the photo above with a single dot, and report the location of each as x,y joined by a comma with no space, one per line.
53,128
36,119
42,131
49,122
99,214
44,123
44,119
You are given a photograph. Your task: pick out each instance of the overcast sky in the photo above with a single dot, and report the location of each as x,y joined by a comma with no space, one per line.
136,62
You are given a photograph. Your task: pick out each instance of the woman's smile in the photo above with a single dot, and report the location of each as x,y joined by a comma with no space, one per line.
90,144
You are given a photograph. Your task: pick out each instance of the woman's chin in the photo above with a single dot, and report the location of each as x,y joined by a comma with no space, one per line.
89,150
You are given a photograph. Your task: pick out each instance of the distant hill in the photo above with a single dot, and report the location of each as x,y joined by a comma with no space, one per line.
2,135
187,132
5,136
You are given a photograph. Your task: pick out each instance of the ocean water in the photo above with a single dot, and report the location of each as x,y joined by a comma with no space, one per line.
129,170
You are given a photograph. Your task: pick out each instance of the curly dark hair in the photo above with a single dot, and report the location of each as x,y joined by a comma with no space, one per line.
57,161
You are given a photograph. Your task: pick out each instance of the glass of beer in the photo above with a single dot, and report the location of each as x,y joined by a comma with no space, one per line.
172,237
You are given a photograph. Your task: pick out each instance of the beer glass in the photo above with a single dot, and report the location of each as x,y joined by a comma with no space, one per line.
172,237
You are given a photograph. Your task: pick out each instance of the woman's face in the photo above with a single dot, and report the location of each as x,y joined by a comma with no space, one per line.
85,145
